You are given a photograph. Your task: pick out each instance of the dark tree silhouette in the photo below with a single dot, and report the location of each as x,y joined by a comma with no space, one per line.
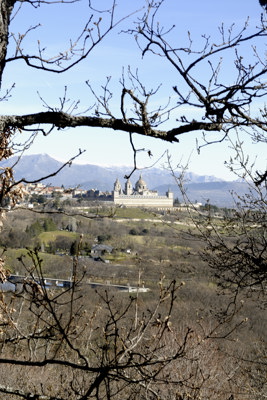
263,3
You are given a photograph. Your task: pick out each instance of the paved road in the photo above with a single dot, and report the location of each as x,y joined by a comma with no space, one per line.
15,282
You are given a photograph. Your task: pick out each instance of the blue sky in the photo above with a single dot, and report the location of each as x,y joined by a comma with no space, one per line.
118,50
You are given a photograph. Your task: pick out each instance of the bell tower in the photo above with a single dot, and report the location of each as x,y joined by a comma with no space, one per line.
117,187
128,188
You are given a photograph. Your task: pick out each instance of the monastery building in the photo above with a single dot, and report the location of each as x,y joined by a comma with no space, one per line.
140,195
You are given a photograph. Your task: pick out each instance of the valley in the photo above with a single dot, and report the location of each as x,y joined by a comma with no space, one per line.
101,251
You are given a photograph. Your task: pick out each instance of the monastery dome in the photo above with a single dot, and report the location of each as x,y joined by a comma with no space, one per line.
140,184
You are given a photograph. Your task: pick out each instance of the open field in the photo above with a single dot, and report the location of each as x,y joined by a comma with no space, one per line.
143,246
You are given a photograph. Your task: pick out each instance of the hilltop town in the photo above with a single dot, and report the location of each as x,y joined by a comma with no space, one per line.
132,196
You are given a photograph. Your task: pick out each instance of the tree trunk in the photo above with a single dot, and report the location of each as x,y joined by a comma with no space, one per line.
6,7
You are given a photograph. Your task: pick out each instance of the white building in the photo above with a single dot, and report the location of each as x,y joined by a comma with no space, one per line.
140,195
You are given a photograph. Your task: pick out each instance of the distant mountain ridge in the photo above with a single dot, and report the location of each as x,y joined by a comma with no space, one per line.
88,176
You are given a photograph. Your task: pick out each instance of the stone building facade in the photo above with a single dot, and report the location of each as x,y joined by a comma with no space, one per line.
139,195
